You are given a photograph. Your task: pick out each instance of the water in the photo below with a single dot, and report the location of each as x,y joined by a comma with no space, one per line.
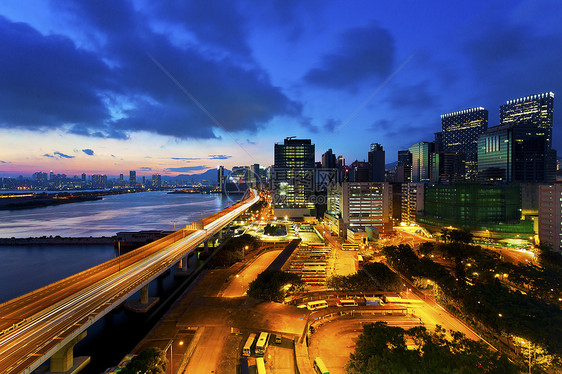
153,210
25,268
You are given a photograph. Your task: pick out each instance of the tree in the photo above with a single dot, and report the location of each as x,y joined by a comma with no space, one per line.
274,285
148,361
382,349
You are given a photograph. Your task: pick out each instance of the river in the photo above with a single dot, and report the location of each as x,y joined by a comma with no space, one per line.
25,268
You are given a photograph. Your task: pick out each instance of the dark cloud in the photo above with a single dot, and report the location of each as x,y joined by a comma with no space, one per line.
362,55
186,158
118,89
57,155
219,157
511,61
330,125
187,169
51,78
62,155
4,162
145,168
412,96
220,24
306,122
250,142
88,151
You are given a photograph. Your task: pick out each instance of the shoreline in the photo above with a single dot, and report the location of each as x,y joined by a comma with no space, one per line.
58,240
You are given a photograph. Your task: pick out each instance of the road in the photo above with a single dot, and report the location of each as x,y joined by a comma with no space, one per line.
34,326
239,284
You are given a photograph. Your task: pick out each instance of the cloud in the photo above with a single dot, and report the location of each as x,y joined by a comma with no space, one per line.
187,169
306,122
219,157
145,168
413,96
4,162
97,92
363,54
330,125
88,151
48,155
62,155
186,158
248,141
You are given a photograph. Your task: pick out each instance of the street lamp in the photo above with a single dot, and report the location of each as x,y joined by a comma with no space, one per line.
244,252
170,346
242,276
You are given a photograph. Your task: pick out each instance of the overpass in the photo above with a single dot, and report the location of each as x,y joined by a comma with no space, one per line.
49,321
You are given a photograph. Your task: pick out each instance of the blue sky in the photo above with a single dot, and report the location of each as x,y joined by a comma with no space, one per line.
170,87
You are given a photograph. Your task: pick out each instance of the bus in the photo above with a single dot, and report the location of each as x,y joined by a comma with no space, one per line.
247,350
261,345
360,260
244,369
260,365
319,366
313,270
349,302
315,305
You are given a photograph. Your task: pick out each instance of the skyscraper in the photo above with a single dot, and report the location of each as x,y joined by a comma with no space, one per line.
460,134
420,161
534,109
550,215
515,153
293,174
404,167
329,159
156,180
132,178
376,163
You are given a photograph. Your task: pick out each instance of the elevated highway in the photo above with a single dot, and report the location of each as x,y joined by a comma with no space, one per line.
37,325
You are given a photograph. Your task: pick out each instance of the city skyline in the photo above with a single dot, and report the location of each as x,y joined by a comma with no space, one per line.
106,88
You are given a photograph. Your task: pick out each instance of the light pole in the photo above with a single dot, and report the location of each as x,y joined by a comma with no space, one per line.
241,276
170,346
244,253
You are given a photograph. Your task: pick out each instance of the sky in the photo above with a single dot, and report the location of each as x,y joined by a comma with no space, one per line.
172,87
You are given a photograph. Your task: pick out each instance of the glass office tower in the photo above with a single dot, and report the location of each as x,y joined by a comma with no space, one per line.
460,132
535,109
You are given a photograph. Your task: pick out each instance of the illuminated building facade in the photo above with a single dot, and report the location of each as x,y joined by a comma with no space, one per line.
550,215
515,153
293,174
460,132
420,161
535,109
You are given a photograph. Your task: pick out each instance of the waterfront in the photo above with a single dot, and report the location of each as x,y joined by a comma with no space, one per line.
152,210
25,268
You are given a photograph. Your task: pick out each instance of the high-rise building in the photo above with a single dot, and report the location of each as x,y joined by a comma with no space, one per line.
404,167
359,171
254,178
420,161
329,159
121,179
550,215
438,142
221,178
156,181
446,167
515,153
534,109
412,201
367,204
293,175
132,178
460,134
376,163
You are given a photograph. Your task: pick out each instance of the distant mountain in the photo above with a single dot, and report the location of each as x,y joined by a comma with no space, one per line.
208,177
391,166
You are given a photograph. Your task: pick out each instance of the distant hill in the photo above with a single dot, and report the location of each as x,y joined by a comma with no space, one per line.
208,177
391,166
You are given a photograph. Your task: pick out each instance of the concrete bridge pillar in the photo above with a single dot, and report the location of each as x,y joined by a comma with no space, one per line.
185,263
144,295
206,245
63,361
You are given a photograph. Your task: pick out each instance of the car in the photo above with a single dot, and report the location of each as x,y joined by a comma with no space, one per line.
278,339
